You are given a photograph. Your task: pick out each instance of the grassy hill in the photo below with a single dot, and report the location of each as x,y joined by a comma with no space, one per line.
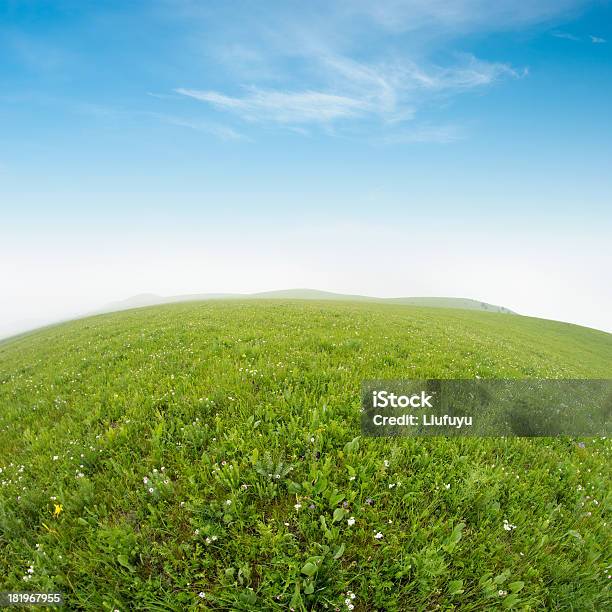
207,455
150,299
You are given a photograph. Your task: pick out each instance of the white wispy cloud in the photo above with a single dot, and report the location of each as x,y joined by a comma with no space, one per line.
357,64
594,39
391,91
283,106
472,72
566,36
459,15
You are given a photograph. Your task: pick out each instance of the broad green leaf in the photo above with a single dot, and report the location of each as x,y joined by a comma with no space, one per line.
309,569
338,514
123,560
320,485
339,552
335,498
510,601
455,587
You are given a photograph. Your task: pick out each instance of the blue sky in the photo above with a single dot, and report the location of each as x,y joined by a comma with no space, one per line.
149,128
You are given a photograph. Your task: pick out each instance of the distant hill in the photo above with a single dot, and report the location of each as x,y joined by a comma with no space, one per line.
150,299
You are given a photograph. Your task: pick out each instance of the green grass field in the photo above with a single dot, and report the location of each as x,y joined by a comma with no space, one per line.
208,455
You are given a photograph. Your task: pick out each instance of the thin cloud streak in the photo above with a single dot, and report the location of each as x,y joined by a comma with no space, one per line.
566,36
594,39
282,106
